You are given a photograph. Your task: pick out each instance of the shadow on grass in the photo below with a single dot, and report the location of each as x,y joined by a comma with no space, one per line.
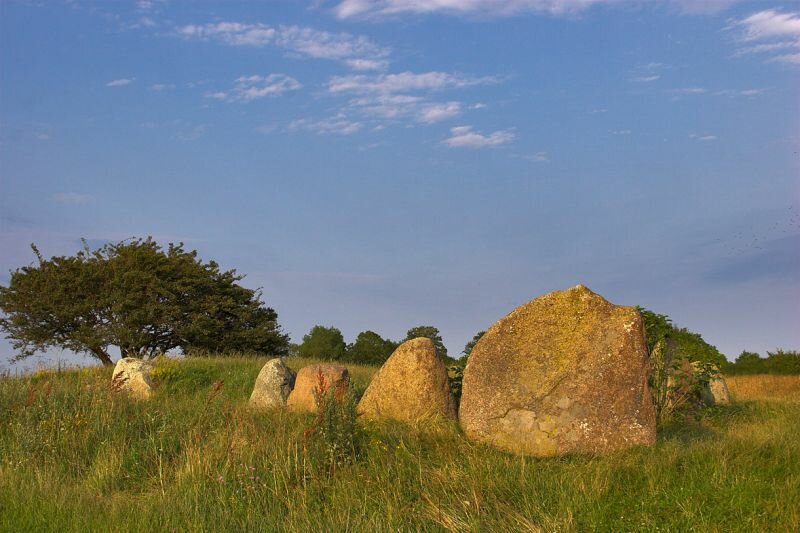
706,424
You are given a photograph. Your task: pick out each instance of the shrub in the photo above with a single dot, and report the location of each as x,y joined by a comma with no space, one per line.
332,440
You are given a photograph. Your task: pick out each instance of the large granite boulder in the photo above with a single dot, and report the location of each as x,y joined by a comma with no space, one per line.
273,385
313,377
411,385
134,377
566,372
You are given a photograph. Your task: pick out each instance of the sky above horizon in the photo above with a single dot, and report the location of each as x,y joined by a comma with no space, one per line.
382,164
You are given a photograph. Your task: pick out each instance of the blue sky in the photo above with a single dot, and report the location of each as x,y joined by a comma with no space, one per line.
380,164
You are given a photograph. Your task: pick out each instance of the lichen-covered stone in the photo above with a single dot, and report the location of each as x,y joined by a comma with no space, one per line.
273,385
411,385
311,377
134,377
566,372
719,390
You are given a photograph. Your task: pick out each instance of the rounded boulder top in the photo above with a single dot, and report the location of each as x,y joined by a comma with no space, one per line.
411,385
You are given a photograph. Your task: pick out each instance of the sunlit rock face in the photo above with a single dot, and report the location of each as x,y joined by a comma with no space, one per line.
134,377
565,372
411,385
273,385
316,377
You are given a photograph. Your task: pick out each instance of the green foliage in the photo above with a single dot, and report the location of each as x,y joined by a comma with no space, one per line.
680,342
76,457
781,362
471,344
326,343
370,348
455,378
433,334
333,438
138,297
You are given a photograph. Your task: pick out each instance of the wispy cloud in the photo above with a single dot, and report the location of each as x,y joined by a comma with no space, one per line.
70,198
771,33
406,94
703,138
647,72
739,92
338,124
435,112
405,82
346,9
249,88
466,137
357,52
645,79
162,87
688,90
120,82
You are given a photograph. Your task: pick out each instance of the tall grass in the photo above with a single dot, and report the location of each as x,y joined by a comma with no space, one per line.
765,387
76,457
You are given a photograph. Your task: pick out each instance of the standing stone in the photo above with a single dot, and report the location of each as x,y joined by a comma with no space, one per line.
273,385
411,385
133,376
332,376
719,390
566,372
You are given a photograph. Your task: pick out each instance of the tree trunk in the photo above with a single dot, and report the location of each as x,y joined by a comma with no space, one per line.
103,356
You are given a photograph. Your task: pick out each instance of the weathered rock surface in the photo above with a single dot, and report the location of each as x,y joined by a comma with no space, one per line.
566,372
273,385
411,385
694,381
302,396
133,376
719,390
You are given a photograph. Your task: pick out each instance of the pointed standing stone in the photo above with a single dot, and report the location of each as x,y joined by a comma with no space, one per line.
410,386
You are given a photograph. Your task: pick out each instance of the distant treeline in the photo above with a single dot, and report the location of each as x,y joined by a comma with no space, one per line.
778,362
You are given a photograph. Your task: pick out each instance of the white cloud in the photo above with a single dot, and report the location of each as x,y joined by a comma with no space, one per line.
739,92
787,58
338,124
620,132
435,112
689,90
405,94
769,24
249,88
465,137
120,82
346,9
645,79
162,87
70,198
703,138
772,33
537,157
405,82
382,8
358,52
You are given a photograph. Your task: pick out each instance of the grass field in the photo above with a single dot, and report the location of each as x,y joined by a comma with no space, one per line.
75,457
